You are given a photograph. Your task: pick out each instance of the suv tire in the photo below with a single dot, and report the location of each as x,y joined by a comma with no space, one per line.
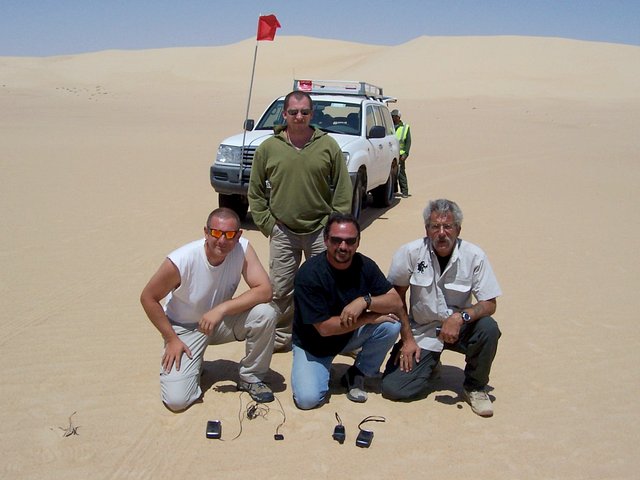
383,195
237,203
359,197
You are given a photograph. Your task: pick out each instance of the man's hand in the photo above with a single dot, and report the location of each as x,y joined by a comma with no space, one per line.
173,354
350,313
406,354
451,328
209,322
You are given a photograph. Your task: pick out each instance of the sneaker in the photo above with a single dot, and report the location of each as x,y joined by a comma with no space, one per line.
405,195
354,381
480,402
259,391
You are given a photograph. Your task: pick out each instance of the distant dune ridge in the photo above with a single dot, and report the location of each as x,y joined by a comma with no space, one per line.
443,66
105,162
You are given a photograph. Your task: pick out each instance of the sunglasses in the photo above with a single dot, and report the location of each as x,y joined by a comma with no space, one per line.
229,234
294,111
337,241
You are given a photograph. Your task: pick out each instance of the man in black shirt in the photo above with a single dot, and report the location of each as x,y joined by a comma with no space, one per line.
343,302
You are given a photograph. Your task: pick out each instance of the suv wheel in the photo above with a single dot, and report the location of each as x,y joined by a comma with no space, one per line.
383,194
358,198
237,203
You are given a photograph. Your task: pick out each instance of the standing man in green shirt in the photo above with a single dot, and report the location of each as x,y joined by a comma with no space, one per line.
403,134
308,180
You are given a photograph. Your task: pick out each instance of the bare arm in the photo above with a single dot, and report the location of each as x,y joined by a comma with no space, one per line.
333,325
384,308
165,280
451,326
483,308
410,348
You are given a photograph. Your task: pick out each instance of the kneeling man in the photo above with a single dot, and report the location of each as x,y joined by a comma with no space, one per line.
199,281
342,303
443,273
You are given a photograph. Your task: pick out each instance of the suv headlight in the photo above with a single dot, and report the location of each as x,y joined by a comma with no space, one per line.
346,156
229,154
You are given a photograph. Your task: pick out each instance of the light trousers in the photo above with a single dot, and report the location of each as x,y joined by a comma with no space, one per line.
255,327
285,255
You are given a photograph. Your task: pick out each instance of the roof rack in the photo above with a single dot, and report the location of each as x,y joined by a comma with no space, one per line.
339,87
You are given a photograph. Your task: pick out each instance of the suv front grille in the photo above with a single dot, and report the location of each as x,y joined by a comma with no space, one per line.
247,155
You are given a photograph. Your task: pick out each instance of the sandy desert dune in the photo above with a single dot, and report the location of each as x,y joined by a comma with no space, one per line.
105,158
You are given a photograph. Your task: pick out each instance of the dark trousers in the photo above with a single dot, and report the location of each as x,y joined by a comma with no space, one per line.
402,177
478,341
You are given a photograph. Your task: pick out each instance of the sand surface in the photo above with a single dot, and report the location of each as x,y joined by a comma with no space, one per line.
105,169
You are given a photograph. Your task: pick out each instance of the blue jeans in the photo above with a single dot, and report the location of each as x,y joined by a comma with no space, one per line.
310,374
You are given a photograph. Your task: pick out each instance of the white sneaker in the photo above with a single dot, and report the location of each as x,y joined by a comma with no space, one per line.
480,402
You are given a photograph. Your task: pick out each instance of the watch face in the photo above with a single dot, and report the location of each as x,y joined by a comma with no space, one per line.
466,317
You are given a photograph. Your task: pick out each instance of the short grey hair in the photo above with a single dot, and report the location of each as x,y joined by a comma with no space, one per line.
442,205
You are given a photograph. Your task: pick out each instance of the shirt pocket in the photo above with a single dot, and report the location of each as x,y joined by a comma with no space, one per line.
424,279
458,293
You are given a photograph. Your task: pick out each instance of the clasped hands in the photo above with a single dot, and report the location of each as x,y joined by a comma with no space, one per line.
352,312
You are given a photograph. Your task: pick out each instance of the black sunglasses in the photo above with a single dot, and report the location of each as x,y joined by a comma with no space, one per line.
294,111
337,241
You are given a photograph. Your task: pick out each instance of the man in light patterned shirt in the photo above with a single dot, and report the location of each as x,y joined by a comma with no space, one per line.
443,273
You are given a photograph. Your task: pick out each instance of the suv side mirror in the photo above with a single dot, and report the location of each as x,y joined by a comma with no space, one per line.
377,132
249,124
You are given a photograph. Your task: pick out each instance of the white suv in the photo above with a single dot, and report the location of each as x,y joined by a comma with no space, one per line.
355,114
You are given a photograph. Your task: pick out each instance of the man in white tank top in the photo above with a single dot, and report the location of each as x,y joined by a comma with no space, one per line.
198,281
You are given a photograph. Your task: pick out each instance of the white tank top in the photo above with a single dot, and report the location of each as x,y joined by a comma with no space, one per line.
202,286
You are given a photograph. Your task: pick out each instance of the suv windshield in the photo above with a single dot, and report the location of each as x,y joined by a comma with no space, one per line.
332,117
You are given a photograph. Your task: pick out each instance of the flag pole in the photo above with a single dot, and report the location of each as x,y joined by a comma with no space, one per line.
246,117
267,26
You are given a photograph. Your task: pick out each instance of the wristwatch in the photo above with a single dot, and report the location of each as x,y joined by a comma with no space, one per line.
466,318
367,299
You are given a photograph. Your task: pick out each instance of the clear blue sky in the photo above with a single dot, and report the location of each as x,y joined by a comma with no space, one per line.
60,27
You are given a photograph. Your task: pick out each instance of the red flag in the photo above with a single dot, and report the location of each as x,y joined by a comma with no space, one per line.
267,26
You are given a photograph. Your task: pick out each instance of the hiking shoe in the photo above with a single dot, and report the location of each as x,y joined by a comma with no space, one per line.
259,391
480,402
354,381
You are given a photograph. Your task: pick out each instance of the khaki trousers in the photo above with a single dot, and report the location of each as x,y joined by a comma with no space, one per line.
285,255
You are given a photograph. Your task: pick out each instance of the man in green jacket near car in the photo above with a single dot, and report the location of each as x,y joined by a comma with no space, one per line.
403,134
308,180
